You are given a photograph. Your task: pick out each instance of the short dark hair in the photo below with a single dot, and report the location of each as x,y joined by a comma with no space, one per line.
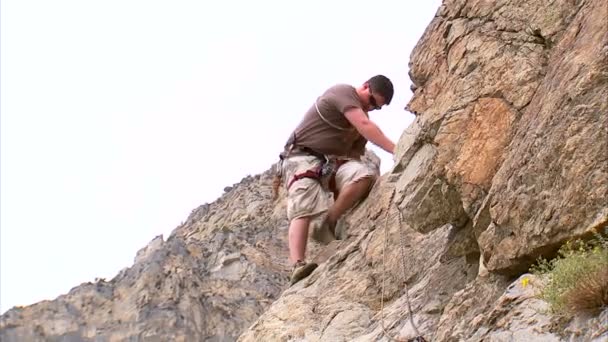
381,85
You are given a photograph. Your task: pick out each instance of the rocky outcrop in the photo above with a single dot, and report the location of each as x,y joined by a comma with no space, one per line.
360,287
488,311
507,159
208,281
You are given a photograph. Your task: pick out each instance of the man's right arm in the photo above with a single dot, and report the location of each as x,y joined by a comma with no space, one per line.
368,129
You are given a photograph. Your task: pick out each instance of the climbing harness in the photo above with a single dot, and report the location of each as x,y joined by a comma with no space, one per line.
324,173
419,337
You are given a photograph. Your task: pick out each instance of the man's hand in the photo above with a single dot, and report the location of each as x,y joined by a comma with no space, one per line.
368,129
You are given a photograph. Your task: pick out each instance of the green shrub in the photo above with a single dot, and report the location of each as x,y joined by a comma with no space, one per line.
577,279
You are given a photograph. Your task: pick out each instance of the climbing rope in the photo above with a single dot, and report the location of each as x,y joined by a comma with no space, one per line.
419,337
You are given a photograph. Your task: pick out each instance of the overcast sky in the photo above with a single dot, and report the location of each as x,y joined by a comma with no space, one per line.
120,117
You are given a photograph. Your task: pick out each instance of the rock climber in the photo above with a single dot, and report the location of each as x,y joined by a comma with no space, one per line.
323,156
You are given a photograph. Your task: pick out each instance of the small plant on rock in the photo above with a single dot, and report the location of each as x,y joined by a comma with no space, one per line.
577,279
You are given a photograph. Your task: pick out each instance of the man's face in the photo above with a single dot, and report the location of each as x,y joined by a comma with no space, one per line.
374,101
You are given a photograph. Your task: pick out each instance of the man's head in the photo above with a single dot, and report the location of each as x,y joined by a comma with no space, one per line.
376,92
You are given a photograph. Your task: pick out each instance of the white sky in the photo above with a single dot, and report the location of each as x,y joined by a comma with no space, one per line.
120,117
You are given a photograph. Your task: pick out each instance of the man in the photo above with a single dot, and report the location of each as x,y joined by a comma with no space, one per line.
323,154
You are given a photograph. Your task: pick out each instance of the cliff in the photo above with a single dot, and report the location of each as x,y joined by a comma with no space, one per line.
506,160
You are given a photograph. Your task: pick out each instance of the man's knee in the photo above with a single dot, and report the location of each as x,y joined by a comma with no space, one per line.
356,173
364,185
368,183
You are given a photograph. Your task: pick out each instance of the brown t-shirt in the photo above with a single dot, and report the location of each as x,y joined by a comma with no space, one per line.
313,132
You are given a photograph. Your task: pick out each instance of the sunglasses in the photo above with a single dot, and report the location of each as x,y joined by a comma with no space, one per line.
372,101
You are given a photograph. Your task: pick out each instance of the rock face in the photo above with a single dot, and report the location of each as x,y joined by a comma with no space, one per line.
507,159
512,125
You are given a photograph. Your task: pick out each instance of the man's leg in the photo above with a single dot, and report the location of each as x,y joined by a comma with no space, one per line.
347,198
354,180
305,199
298,237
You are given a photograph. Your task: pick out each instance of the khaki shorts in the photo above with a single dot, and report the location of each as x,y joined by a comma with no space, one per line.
306,197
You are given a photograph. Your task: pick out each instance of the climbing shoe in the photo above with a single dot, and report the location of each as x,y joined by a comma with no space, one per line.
301,270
